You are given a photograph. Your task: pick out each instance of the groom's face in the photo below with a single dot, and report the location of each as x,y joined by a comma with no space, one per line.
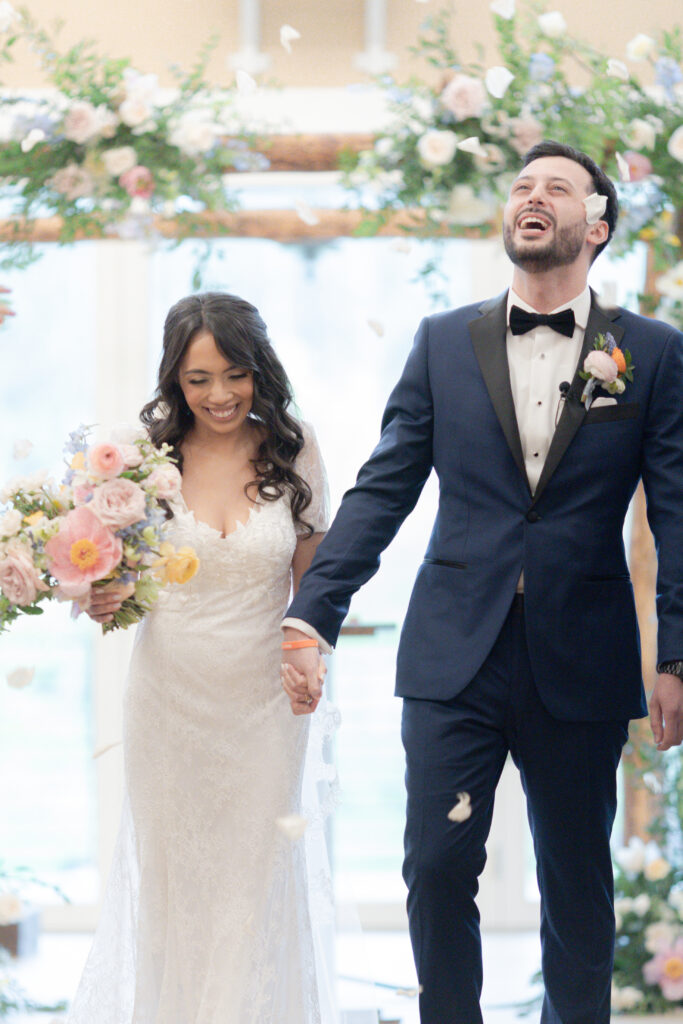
544,221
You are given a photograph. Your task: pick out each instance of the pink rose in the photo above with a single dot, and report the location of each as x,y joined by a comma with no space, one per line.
526,132
165,481
464,96
82,493
83,551
132,456
118,503
601,365
138,181
72,181
19,581
105,460
638,165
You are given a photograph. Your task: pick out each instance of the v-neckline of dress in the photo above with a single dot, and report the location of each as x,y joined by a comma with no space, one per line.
219,533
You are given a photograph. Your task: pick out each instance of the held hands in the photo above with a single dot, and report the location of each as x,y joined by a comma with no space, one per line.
302,673
666,711
104,601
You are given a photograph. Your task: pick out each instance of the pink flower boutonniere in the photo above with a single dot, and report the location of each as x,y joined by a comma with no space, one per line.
608,367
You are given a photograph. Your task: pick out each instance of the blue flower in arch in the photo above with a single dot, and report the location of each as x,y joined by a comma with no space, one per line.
541,67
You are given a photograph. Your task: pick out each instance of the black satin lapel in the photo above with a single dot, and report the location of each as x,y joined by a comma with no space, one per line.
488,341
574,410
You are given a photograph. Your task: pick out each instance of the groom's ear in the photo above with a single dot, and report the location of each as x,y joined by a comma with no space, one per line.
598,232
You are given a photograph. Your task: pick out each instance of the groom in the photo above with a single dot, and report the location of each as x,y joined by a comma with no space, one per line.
521,633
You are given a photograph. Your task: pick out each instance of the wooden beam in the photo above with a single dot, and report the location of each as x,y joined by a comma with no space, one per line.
308,152
279,225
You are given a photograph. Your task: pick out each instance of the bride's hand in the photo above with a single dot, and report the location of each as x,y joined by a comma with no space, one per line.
104,601
295,686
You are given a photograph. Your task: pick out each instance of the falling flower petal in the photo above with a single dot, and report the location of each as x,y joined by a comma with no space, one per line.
245,83
402,245
287,37
462,809
305,213
103,749
35,136
292,826
503,8
377,327
472,145
22,449
595,205
18,678
617,69
624,169
497,81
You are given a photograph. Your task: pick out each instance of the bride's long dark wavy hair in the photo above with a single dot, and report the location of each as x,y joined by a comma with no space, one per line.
241,336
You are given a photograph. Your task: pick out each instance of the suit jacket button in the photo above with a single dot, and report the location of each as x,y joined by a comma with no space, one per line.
532,516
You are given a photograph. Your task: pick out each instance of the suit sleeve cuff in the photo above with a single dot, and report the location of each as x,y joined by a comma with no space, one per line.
304,627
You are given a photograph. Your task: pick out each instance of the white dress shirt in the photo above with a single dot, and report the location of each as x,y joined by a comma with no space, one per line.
539,362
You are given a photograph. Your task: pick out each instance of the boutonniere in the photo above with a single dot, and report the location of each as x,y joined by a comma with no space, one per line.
608,367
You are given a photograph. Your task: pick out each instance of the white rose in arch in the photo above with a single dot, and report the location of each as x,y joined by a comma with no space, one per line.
437,148
552,24
659,935
503,8
617,69
641,134
631,858
641,904
119,159
675,144
640,47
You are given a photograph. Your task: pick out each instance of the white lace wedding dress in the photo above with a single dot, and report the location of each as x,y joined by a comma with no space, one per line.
206,918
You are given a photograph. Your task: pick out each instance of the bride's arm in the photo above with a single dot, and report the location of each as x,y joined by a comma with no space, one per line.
303,556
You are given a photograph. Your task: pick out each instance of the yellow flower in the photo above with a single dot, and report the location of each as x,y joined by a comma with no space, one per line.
673,240
33,519
78,461
657,869
647,234
181,566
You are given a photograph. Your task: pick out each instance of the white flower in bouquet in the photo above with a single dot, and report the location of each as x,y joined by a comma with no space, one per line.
626,998
675,144
10,523
640,47
659,935
437,148
552,24
119,159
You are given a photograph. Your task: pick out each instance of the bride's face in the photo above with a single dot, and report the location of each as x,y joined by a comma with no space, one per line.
219,394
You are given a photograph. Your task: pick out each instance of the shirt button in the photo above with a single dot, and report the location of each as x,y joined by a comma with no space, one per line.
539,403
535,455
532,516
542,355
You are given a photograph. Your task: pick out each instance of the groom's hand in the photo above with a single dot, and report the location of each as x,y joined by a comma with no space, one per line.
666,711
302,674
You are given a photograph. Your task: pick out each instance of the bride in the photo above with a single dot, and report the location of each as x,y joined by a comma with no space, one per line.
206,918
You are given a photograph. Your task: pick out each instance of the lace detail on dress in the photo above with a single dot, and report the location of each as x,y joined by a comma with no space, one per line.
206,918
309,465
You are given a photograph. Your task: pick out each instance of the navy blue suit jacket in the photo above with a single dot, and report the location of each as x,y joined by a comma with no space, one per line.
452,410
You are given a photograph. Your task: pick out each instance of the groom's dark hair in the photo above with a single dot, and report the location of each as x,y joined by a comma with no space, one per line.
601,183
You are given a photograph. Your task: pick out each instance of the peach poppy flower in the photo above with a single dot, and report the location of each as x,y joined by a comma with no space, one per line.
82,551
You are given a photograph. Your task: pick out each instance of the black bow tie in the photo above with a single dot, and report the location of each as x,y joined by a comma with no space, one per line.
521,321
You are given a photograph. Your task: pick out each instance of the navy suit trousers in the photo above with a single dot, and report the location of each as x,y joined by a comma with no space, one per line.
568,771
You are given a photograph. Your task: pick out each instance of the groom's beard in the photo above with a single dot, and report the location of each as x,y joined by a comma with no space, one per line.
562,249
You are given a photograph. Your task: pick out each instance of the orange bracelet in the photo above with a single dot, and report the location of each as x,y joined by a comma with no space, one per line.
295,645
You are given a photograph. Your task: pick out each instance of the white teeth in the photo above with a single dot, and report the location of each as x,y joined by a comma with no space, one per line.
223,414
533,222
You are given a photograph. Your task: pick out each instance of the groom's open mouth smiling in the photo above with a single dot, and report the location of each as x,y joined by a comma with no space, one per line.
533,224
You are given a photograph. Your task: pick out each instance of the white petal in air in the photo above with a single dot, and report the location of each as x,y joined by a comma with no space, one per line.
472,145
595,205
503,8
35,136
377,327
402,245
305,213
18,678
292,826
22,449
462,809
497,80
624,169
105,748
245,83
287,37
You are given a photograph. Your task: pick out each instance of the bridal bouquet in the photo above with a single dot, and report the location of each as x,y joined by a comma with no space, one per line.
103,524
